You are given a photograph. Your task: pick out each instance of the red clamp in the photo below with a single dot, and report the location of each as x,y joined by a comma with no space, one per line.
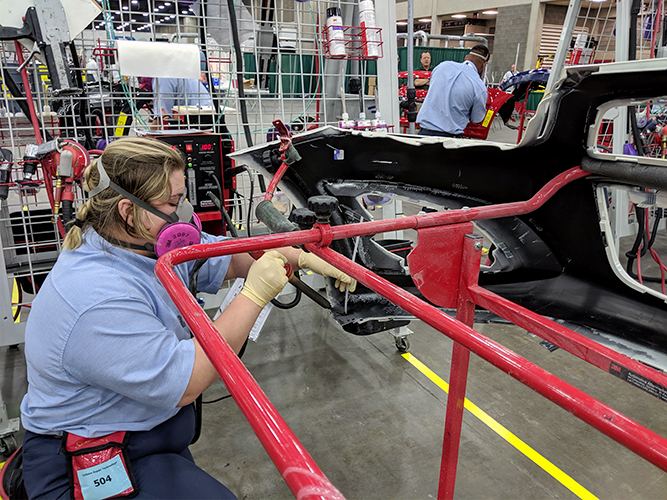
326,232
285,137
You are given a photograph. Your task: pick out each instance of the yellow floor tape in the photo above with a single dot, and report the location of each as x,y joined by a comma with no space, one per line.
545,464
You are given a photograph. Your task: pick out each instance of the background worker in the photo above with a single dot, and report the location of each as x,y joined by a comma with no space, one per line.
457,95
424,65
173,92
509,74
107,350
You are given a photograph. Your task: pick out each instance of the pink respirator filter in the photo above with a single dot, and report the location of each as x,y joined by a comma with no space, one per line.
178,235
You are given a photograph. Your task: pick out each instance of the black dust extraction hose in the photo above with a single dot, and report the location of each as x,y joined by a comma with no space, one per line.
239,82
23,103
82,108
632,254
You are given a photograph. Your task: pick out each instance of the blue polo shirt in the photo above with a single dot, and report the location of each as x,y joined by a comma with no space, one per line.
456,96
106,348
171,92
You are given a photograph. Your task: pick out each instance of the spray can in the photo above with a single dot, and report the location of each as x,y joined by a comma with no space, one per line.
363,123
378,124
335,32
345,121
369,35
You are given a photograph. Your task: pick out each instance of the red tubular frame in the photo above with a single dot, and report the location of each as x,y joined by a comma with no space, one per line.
296,466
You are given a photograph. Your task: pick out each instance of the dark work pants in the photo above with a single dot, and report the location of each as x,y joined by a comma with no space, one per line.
438,133
161,462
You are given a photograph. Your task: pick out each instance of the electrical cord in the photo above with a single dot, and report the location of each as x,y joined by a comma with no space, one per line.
641,245
217,400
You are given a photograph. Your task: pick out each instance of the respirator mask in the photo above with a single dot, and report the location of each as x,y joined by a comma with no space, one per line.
182,228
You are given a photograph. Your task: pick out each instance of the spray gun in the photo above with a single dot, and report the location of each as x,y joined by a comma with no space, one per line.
345,121
6,164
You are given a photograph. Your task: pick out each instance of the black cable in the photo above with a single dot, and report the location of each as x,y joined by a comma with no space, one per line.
288,305
82,112
217,400
641,237
239,82
220,204
239,70
252,189
632,55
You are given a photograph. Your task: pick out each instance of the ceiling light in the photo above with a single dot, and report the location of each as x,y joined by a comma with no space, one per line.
184,11
459,16
125,7
135,1
167,4
145,14
401,23
490,12
424,20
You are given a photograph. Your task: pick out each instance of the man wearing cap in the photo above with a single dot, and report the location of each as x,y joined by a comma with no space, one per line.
456,96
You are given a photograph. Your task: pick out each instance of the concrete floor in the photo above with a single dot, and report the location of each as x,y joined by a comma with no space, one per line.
374,423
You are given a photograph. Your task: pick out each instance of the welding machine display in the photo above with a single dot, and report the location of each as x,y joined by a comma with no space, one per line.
205,156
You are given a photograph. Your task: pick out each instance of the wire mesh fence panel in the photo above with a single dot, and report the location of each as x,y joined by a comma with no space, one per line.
258,62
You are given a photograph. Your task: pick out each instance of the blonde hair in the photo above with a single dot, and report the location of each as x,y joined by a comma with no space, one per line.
140,166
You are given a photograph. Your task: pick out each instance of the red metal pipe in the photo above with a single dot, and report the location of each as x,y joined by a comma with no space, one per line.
352,230
296,466
458,373
625,431
572,342
463,215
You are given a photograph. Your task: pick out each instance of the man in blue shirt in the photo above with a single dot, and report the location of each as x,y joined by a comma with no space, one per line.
456,96
172,92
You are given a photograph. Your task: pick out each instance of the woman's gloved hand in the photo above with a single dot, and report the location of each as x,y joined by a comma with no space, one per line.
266,278
313,262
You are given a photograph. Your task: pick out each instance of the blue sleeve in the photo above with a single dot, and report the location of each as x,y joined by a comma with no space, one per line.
212,273
165,90
121,345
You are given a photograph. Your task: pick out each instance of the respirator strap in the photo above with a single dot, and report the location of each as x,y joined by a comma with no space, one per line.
105,182
148,247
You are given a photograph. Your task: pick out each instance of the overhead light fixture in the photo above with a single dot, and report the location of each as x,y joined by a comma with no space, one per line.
184,11
459,16
401,23
424,20
490,12
167,4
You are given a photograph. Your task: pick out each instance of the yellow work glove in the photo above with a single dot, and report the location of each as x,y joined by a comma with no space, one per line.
314,263
266,278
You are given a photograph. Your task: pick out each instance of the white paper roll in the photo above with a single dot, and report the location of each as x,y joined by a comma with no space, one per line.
156,59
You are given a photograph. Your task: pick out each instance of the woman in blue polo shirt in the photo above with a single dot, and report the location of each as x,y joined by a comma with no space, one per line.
106,349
